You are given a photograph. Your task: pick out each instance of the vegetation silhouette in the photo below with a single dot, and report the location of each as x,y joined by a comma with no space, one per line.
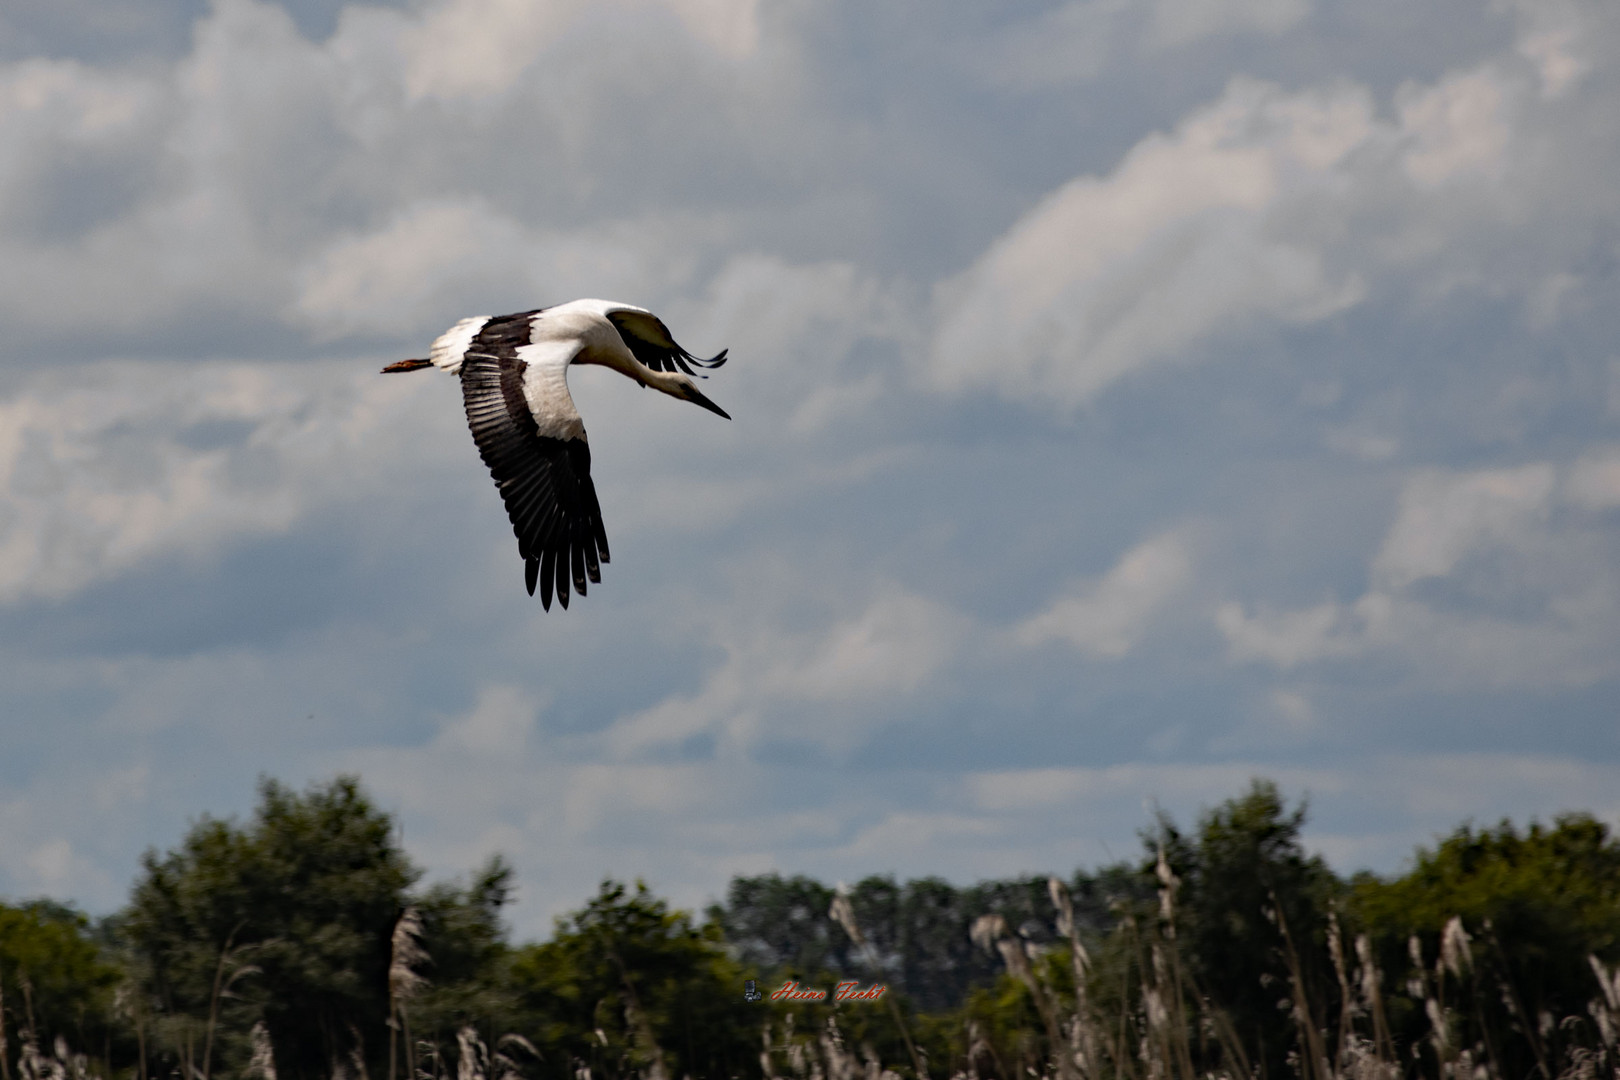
302,944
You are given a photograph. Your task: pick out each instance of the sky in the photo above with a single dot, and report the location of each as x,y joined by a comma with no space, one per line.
1131,398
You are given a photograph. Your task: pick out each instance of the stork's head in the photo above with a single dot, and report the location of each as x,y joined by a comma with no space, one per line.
683,387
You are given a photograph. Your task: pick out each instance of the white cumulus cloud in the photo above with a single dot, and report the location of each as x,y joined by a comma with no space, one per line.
1523,603
1197,232
1444,515
108,466
1106,618
884,653
1270,208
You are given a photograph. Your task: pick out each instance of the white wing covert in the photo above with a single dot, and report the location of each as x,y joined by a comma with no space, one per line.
531,438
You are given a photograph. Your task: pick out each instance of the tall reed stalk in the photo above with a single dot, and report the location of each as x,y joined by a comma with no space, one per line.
263,1062
843,913
405,954
1312,1049
1371,983
226,972
1084,1048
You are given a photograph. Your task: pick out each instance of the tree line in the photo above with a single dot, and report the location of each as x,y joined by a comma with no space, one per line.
303,943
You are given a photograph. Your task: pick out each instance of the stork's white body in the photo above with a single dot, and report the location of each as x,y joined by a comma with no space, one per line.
514,379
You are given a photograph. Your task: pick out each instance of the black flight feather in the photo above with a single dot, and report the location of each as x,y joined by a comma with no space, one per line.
649,341
545,482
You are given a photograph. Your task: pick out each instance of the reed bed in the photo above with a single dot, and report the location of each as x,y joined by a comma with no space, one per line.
1142,1017
1228,962
1163,1027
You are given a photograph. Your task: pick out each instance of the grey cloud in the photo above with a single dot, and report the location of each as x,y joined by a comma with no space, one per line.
1270,208
96,30
1472,586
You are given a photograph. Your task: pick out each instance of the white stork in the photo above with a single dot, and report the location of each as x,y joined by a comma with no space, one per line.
514,384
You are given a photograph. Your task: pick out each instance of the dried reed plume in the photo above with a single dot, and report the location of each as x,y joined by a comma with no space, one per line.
63,1065
1085,1046
843,913
263,1062
403,983
990,933
823,1058
475,1062
229,969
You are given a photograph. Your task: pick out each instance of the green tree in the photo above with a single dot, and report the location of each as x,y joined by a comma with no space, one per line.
466,962
1536,904
778,928
55,980
627,985
286,920
1250,926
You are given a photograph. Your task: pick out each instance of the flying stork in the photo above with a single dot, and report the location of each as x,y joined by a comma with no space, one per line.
514,385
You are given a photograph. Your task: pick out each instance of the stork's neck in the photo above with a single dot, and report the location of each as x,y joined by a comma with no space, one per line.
669,383
603,345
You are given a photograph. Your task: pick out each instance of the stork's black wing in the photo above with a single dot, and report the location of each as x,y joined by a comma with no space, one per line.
650,342
544,480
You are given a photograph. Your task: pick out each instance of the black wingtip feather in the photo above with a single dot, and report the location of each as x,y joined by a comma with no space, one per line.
682,356
545,482
546,575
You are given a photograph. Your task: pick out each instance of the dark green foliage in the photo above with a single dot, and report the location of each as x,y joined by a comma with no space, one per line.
626,980
291,914
935,961
778,928
779,925
1210,939
468,958
288,919
1558,887
1536,903
55,980
1008,1028
1249,897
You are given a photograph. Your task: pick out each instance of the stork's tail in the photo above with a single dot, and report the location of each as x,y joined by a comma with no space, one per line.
407,365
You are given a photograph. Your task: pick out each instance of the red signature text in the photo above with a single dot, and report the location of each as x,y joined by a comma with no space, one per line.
853,991
792,991
846,991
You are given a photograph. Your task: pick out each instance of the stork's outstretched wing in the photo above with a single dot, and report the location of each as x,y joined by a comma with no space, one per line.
530,436
649,340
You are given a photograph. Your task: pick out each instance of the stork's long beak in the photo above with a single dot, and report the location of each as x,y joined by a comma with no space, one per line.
694,395
407,365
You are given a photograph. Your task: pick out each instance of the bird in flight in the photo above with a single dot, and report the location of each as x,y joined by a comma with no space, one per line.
514,384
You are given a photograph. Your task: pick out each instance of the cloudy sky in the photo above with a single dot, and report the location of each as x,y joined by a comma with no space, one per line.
1132,397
